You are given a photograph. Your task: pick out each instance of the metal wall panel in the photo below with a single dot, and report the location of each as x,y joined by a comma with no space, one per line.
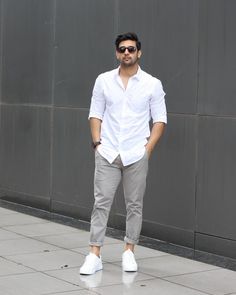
172,175
73,159
169,33
27,51
216,245
217,67
216,189
25,150
84,48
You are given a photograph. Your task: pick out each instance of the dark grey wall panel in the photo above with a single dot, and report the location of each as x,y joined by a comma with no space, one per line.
216,200
171,180
84,40
169,33
27,50
172,175
216,245
217,85
73,160
25,150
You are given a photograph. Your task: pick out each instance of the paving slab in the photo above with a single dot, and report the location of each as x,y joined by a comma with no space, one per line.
69,240
23,246
49,260
79,292
216,282
41,229
4,211
9,268
19,218
7,235
32,284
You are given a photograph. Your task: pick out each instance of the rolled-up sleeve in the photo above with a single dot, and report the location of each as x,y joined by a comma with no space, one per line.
157,103
97,106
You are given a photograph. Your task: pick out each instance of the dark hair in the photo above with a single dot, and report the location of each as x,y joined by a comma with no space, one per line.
128,36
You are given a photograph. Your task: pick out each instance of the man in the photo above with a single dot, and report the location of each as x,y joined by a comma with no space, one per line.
123,102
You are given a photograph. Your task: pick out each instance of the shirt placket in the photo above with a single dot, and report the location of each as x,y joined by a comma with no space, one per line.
124,115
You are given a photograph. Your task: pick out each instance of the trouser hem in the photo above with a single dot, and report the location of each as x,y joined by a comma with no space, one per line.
131,241
95,244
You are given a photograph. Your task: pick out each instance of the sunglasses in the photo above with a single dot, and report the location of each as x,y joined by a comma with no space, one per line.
122,49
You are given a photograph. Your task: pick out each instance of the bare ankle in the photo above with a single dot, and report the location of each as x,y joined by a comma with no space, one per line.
129,247
95,250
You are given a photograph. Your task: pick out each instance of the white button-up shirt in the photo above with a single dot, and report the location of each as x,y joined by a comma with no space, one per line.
125,113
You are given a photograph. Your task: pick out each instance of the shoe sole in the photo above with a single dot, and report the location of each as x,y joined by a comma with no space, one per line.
87,274
130,270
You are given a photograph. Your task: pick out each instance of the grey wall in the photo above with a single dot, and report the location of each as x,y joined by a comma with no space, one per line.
50,54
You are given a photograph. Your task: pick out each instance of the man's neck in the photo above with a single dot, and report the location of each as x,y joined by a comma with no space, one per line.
128,71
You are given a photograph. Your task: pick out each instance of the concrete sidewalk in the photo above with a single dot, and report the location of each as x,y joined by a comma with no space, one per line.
38,256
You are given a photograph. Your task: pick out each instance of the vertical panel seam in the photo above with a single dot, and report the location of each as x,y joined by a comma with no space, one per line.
116,23
113,218
197,126
1,48
53,48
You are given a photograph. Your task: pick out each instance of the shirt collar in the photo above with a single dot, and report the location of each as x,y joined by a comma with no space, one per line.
136,76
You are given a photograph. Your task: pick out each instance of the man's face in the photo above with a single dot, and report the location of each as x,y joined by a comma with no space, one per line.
128,58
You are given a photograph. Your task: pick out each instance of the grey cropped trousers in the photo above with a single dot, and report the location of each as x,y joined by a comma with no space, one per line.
106,180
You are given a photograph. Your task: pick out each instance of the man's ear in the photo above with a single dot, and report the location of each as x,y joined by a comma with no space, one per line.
117,54
139,53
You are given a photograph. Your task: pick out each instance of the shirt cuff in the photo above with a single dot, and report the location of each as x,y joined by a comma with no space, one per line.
162,119
94,115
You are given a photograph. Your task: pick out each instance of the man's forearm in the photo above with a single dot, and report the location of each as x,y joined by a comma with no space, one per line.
156,133
95,128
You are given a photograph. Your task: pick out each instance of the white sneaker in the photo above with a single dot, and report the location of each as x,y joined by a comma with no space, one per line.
128,261
91,264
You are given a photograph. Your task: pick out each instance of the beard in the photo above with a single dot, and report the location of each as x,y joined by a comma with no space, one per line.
129,62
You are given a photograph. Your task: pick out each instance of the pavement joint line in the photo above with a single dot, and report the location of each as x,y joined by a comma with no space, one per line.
192,273
32,253
182,285
63,280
